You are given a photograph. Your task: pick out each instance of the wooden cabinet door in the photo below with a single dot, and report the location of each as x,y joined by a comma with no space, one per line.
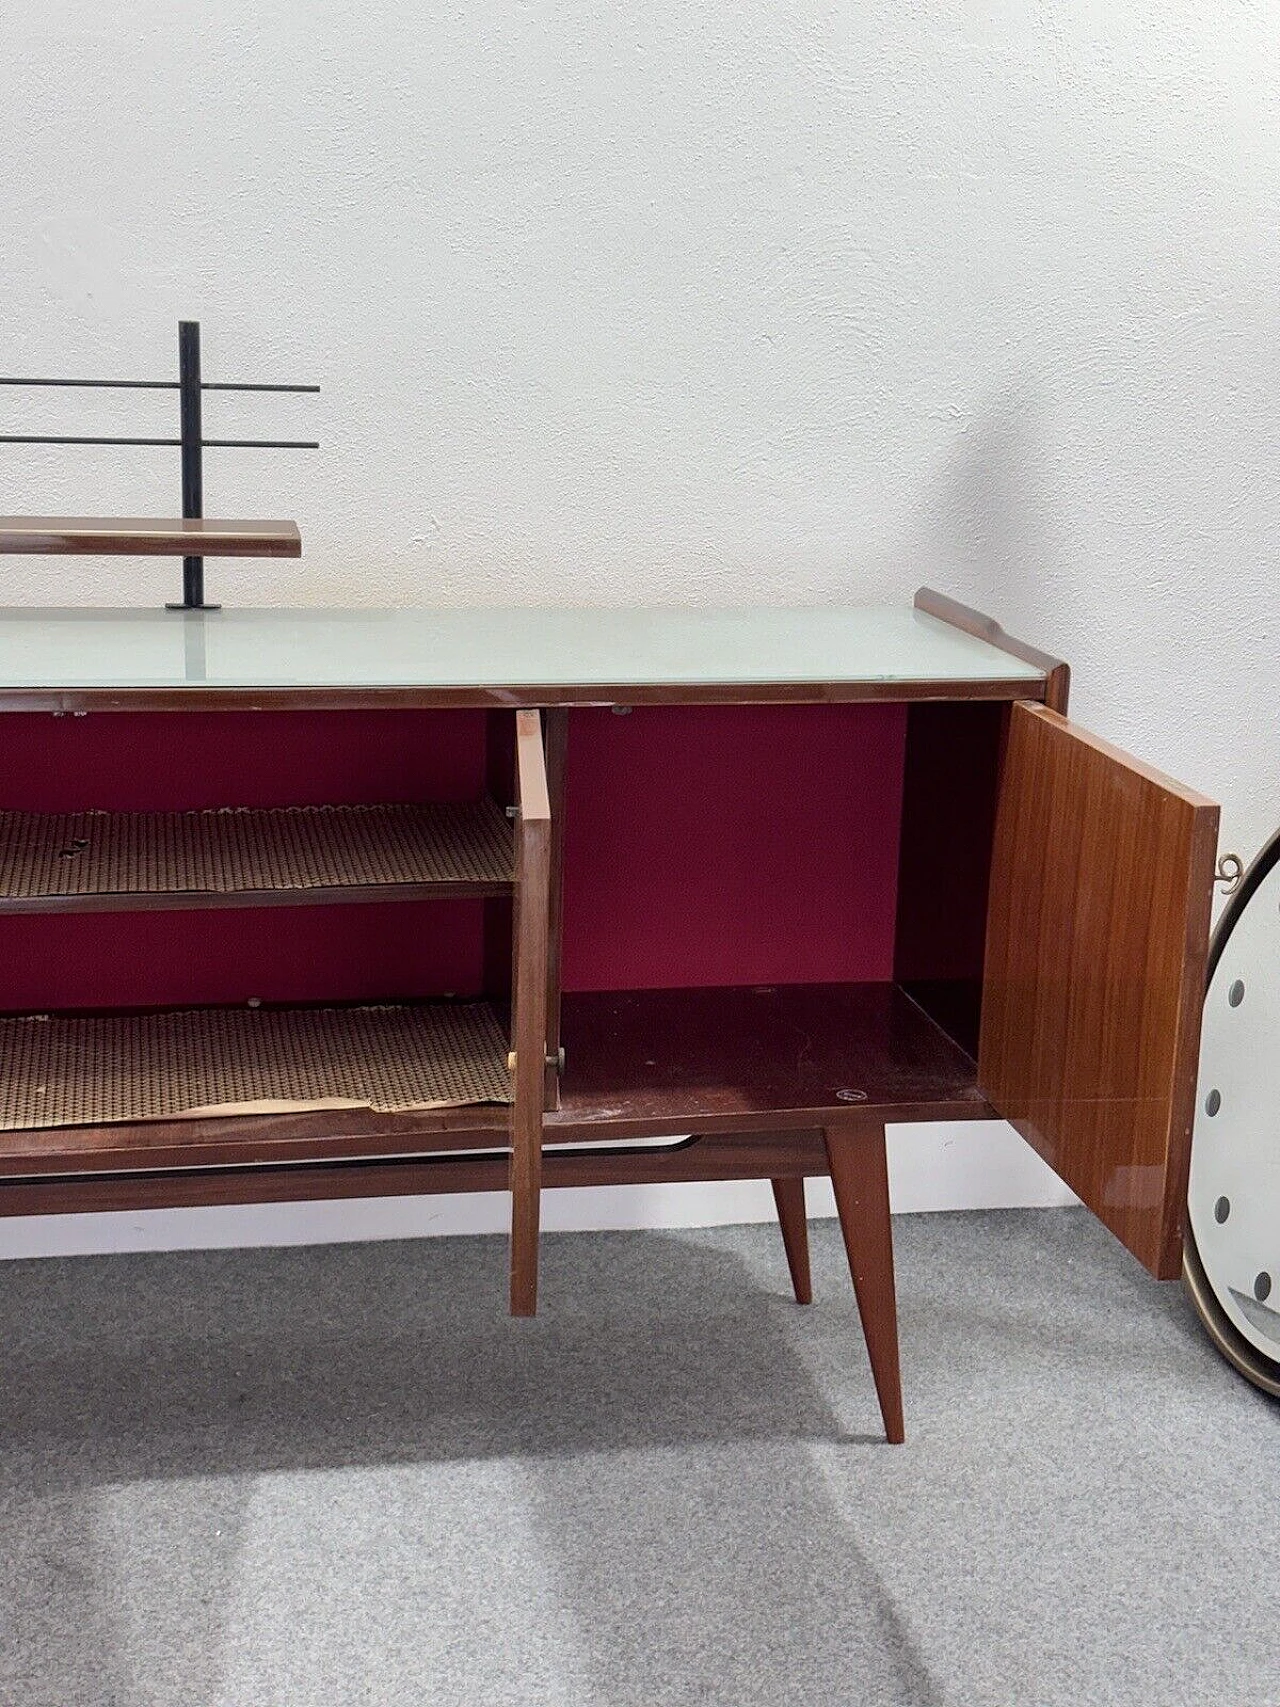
529,983
1097,934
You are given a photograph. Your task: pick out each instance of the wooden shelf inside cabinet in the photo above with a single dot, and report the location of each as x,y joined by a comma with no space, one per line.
643,1063
238,857
144,536
663,1061
102,1070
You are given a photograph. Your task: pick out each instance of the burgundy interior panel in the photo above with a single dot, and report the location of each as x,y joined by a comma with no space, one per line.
183,761
731,845
127,761
285,954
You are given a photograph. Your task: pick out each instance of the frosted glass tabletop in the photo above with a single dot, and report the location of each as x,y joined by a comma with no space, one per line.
490,649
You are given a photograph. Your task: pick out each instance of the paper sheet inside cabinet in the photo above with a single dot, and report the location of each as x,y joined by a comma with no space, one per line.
93,1071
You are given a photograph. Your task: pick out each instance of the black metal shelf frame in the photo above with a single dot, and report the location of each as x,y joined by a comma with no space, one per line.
190,441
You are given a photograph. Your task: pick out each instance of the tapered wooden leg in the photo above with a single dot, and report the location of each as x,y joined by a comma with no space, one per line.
860,1175
788,1194
526,1204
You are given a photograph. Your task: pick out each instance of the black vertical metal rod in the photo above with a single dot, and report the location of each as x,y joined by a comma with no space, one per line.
192,452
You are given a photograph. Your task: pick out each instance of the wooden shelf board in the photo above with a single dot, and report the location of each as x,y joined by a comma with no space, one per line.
249,1140
658,1061
303,855
740,1062
146,536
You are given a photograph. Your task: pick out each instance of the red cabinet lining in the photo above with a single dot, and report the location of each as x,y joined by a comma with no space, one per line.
136,761
190,760
284,954
705,845
730,845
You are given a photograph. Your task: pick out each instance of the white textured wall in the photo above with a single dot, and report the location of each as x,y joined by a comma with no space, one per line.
690,303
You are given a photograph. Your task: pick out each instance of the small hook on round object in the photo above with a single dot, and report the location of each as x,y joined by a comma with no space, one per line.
1230,871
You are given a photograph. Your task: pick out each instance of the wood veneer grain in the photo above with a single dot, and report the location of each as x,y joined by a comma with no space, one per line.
532,902
718,1156
860,1177
1096,945
147,536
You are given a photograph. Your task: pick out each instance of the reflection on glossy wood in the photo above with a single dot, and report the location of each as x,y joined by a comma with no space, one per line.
1096,946
860,1176
146,536
641,1063
788,1194
652,1061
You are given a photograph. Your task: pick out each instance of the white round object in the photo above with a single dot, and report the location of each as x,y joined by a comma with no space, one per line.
1233,1244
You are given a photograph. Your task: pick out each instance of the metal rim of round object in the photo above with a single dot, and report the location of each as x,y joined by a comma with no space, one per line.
1254,1365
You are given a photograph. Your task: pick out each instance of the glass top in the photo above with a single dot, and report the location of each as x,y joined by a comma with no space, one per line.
490,648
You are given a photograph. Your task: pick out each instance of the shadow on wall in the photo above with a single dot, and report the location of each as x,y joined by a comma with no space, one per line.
990,531
212,1458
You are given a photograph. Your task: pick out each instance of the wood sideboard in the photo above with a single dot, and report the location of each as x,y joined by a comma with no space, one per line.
303,904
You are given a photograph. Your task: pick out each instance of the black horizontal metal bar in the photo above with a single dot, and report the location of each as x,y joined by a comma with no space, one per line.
103,384
78,439
211,444
261,444
155,385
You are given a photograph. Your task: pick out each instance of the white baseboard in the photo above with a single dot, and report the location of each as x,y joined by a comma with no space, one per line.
977,1165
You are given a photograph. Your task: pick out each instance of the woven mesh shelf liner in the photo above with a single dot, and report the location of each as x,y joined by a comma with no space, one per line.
101,1071
240,850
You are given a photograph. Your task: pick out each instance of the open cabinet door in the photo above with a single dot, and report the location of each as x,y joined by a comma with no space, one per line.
1097,935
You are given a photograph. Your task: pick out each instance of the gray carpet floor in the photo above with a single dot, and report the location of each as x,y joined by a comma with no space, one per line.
341,1475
